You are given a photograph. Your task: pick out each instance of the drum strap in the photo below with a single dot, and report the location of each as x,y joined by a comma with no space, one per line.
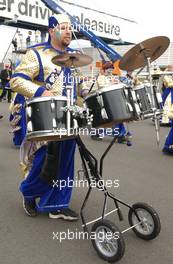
49,172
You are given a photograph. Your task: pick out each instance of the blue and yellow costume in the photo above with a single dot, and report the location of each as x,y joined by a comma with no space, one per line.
168,82
18,119
36,74
166,101
102,82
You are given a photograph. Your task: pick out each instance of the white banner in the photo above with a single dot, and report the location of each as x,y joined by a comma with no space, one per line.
35,12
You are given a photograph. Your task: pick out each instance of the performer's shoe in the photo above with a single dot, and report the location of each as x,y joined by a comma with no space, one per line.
121,140
165,124
1,116
30,207
166,151
96,137
65,213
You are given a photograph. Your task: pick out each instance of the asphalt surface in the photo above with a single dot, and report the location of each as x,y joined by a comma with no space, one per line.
144,174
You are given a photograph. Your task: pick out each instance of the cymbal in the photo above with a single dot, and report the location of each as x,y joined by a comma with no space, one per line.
71,60
136,57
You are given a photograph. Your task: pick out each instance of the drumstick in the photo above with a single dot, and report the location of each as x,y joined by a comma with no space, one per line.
157,127
92,85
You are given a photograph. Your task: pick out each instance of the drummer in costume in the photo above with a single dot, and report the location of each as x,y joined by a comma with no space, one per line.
45,163
168,91
166,96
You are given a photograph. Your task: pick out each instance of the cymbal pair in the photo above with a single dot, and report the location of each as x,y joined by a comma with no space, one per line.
135,58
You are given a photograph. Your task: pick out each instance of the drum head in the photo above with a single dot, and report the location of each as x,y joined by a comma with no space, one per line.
51,136
105,90
45,99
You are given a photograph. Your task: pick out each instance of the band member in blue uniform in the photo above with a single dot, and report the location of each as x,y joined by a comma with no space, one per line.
5,77
168,83
46,163
166,97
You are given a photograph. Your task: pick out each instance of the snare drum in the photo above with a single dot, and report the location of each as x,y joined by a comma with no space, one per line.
47,119
111,105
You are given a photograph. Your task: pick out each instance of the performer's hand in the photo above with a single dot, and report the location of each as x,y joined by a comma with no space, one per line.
84,93
47,93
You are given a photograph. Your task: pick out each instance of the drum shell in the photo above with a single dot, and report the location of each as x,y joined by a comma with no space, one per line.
110,106
42,115
47,118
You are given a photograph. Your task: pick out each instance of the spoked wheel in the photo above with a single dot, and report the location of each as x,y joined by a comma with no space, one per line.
108,241
150,226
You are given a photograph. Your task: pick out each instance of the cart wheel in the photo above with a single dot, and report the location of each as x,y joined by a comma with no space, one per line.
150,226
108,241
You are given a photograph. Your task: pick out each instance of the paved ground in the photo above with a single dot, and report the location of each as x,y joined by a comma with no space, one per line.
145,174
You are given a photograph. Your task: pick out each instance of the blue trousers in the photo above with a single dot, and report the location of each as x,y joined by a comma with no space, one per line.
52,197
118,129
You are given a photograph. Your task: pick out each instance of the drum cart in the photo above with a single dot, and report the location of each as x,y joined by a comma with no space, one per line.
143,219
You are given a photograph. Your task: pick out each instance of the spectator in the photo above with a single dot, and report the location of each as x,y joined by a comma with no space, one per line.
5,78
